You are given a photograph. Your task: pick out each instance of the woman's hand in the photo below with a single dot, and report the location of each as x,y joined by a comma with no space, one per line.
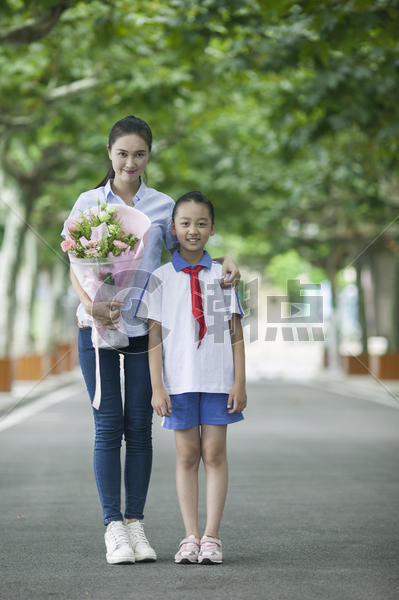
231,270
107,314
161,403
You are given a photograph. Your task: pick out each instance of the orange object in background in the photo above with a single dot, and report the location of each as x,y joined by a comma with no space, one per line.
6,374
32,367
385,366
66,357
355,365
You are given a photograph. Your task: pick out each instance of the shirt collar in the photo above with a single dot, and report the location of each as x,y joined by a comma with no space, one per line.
179,263
139,194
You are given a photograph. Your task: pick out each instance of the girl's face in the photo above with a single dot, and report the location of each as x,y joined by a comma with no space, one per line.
192,226
129,156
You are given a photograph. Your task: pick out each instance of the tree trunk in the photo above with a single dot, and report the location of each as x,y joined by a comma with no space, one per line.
333,337
361,310
394,347
19,207
375,313
54,313
26,287
10,259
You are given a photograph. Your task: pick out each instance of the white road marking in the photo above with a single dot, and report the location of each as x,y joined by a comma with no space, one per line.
25,412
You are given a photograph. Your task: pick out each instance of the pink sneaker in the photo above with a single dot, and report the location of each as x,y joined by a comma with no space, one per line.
210,551
188,551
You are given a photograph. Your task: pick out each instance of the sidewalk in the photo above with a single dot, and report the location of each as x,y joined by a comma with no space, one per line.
359,386
24,392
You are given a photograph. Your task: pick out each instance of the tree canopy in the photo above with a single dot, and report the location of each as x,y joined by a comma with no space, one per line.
284,113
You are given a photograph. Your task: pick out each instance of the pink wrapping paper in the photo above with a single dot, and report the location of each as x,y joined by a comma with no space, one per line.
108,279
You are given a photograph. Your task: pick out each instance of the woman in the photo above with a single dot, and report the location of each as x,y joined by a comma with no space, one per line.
129,150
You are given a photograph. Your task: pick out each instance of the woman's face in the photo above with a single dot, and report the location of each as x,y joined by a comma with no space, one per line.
129,156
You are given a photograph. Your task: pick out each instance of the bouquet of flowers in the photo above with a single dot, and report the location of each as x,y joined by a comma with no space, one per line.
99,233
105,246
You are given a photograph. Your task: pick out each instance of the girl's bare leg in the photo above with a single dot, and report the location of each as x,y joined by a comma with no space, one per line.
214,456
188,454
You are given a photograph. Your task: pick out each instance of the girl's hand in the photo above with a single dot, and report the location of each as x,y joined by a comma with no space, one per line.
161,403
231,270
237,398
107,314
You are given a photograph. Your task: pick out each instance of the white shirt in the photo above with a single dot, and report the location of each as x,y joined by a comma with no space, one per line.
158,207
167,299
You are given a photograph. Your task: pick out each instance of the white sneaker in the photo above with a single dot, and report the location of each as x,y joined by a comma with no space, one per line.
117,544
139,543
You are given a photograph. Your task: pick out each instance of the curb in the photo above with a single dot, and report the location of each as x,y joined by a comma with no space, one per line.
364,387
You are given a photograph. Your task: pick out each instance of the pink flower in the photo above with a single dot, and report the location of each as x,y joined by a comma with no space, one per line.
71,225
120,244
92,243
91,252
67,245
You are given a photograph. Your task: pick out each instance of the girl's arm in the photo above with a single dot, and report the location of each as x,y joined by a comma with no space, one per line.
237,398
160,399
106,313
229,266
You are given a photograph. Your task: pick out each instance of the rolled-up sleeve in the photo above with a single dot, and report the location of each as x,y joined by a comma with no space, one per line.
232,302
77,208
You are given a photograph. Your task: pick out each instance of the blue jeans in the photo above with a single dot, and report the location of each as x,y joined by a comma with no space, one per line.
113,420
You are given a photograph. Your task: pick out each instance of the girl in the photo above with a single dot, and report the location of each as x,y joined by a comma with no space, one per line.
197,370
129,150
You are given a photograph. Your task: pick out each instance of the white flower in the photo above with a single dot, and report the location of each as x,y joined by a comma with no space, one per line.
103,216
111,209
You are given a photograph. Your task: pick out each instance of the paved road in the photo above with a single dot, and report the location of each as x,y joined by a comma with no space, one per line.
312,511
